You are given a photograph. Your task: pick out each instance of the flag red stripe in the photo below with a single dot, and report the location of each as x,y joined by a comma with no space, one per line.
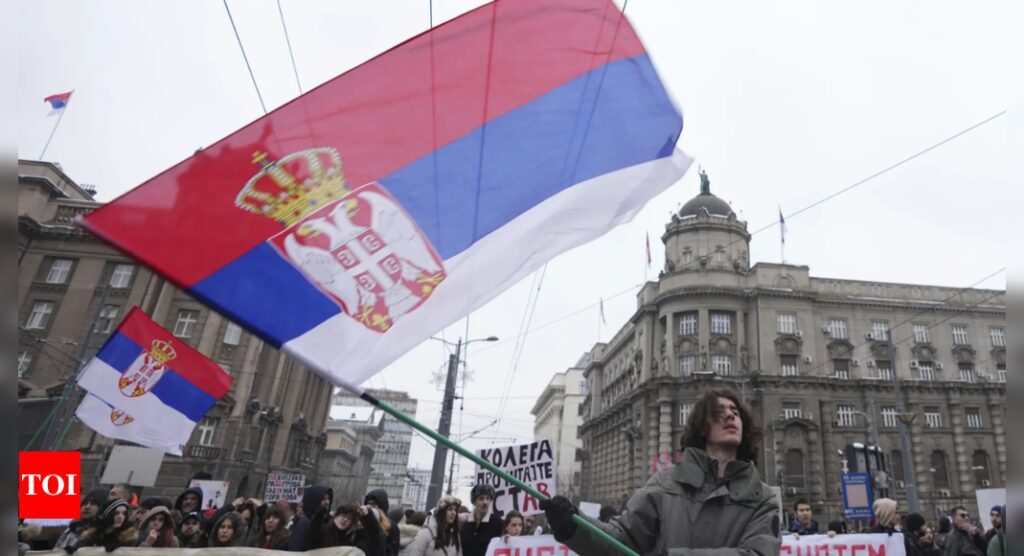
380,117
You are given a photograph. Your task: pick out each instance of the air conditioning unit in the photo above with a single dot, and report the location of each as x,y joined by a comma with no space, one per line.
913,364
826,330
986,483
944,493
809,416
807,359
869,337
871,363
854,363
900,484
791,490
938,366
799,333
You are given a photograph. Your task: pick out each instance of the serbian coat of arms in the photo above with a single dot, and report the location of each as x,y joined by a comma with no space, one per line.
359,247
143,374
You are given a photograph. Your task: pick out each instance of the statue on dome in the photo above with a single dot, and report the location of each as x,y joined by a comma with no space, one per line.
705,183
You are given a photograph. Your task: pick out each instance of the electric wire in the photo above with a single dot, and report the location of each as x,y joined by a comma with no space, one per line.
246,58
288,41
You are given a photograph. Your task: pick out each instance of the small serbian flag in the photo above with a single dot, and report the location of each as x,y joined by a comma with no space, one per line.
349,225
58,102
145,375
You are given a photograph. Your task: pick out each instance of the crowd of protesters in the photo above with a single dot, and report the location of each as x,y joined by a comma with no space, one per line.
716,473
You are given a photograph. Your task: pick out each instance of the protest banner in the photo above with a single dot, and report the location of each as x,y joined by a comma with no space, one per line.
218,551
528,545
875,544
284,486
215,493
988,497
533,464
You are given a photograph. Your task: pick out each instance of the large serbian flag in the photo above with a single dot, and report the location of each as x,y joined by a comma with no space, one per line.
149,387
352,223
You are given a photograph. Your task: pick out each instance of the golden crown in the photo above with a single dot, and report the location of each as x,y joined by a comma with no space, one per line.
288,189
162,351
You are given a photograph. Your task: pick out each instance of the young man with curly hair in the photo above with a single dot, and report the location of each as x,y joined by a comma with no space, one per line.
710,503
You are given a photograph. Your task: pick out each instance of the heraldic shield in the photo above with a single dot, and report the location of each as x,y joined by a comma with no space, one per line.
359,247
146,370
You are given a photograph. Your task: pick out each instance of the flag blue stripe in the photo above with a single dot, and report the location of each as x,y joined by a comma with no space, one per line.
172,389
565,137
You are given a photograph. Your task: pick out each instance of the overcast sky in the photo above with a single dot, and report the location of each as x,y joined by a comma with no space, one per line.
784,103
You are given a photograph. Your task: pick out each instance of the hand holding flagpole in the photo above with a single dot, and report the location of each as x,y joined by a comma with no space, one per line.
58,103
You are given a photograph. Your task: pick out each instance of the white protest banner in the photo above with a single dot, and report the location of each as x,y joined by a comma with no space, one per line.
528,545
875,544
218,551
284,486
215,493
988,497
533,464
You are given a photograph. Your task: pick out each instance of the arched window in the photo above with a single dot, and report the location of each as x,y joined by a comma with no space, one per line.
979,464
896,465
940,475
795,469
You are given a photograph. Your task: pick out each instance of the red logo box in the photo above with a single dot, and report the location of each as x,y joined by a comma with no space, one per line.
49,485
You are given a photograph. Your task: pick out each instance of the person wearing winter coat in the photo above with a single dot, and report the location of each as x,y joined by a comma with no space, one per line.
113,530
483,524
965,539
351,525
88,516
440,535
191,500
378,499
190,532
156,529
887,517
997,544
314,498
712,502
803,522
408,531
272,533
227,530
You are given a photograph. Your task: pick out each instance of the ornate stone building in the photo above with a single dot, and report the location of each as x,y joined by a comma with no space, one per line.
73,290
811,356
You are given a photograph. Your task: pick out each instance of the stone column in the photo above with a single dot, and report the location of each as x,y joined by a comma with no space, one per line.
665,425
208,339
996,410
671,333
703,340
245,374
833,464
922,460
816,467
964,474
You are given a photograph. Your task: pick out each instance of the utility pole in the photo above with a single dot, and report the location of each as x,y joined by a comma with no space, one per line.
444,429
909,480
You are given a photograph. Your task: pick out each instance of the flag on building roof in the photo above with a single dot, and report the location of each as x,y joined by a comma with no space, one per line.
148,378
650,259
782,226
58,102
352,223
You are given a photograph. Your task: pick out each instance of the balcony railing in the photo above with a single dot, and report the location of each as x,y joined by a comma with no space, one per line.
204,452
66,214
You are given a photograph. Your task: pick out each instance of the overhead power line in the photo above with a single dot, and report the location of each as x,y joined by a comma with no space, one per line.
246,58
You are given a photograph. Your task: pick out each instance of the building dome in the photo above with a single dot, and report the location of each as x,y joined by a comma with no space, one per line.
705,200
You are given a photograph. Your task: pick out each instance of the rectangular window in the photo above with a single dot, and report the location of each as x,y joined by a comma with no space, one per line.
186,323
884,370
122,275
684,412
837,329
920,333
583,387
721,364
688,324
960,337
966,372
932,418
1001,373
719,256
841,368
207,428
721,323
791,410
880,330
846,416
232,334
687,365
890,418
925,370
787,323
687,258
24,360
789,365
40,316
60,269
974,417
107,318
998,336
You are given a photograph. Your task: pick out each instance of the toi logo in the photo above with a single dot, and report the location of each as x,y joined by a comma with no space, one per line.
49,485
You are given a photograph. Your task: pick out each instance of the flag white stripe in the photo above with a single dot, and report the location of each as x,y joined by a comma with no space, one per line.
145,430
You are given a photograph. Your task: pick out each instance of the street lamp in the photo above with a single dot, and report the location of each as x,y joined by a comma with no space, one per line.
444,427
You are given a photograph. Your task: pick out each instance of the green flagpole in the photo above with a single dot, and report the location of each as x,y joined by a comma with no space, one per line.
579,520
